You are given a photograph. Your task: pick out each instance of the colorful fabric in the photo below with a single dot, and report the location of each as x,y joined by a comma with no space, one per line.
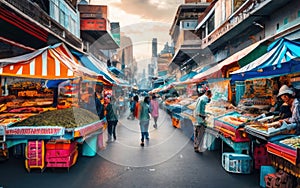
154,108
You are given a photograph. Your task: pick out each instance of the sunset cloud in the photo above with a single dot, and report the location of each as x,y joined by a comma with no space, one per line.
154,10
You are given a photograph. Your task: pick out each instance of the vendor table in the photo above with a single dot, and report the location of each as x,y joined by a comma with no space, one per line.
285,153
238,147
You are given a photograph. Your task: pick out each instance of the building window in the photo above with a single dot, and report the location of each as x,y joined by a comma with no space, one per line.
55,10
285,21
211,23
298,13
72,26
277,26
62,16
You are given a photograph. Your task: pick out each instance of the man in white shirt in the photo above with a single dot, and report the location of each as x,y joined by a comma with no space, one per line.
200,115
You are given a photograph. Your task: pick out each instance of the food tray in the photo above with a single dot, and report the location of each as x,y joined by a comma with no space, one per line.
269,132
232,119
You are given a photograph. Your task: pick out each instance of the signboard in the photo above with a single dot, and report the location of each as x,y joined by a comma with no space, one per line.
44,130
93,25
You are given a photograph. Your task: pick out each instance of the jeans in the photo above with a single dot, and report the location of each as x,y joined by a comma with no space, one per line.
199,132
111,129
144,126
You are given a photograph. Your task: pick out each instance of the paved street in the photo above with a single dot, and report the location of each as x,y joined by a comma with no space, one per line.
167,160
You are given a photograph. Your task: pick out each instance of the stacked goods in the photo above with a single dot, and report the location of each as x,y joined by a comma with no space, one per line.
5,99
35,151
6,119
260,156
279,179
68,118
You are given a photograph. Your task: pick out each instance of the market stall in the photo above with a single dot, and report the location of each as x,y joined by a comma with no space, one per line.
37,117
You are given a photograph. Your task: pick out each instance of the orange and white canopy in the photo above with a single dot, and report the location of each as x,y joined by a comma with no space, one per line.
52,62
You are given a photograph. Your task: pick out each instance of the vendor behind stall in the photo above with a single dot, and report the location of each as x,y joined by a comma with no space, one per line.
279,108
288,97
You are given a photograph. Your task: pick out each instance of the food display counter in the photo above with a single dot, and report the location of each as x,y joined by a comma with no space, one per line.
265,131
285,153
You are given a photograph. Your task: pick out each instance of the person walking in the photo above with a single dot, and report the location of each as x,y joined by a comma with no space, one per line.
144,117
155,108
136,107
112,120
200,115
99,105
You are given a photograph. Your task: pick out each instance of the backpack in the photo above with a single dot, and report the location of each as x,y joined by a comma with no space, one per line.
136,110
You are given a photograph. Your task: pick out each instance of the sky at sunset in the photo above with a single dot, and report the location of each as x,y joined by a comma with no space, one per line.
143,20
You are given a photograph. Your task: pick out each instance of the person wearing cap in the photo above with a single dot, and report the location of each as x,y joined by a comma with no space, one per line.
288,97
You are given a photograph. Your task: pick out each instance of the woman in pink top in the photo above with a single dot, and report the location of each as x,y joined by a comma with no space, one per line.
154,106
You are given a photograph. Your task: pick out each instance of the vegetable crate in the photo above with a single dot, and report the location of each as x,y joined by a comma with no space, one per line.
237,163
61,154
34,153
260,156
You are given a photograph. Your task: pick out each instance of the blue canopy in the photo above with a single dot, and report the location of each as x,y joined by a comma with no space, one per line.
280,59
85,60
116,71
187,76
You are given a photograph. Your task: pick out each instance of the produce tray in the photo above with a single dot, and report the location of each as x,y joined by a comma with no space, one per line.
228,129
222,120
270,132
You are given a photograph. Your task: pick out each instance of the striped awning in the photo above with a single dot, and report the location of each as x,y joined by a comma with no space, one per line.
52,62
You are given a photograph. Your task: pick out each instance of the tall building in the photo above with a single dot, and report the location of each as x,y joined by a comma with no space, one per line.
154,47
164,58
153,66
186,42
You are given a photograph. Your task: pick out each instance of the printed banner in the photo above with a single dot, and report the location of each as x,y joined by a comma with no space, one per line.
45,130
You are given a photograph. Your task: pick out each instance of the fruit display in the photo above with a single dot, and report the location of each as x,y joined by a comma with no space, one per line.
68,118
234,120
292,142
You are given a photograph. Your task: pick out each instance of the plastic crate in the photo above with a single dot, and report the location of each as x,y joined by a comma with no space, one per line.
58,153
60,145
35,151
237,163
260,151
265,170
261,161
63,162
